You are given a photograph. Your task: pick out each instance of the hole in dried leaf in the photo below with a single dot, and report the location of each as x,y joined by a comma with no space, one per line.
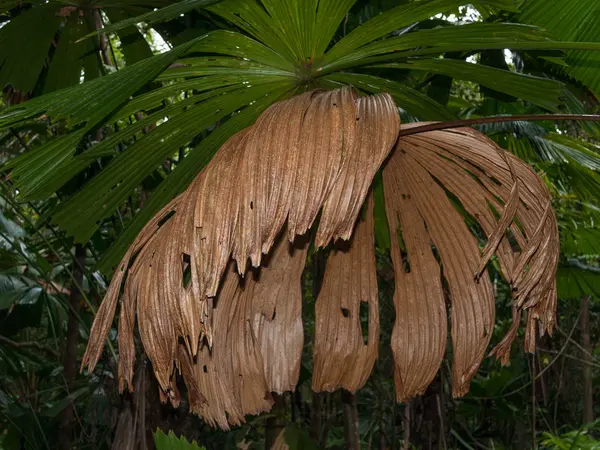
405,262
446,291
519,227
470,221
345,312
403,253
162,221
205,369
493,209
251,205
495,180
319,261
436,253
186,268
512,240
364,320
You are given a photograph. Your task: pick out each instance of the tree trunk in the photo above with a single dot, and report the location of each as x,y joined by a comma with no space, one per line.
275,424
131,432
406,437
103,39
316,416
350,411
124,438
70,351
428,422
588,394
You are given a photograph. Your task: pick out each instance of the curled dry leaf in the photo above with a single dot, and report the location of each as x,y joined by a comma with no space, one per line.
419,335
428,179
235,334
259,342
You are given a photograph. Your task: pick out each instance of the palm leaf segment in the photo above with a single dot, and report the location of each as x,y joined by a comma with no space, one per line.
235,340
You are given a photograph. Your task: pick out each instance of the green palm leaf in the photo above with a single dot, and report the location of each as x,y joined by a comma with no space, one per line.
475,36
583,242
575,20
160,15
410,99
21,63
539,91
89,103
394,19
573,282
68,59
172,442
571,165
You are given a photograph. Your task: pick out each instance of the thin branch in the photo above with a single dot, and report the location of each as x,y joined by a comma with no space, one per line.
558,394
550,364
574,358
19,138
26,344
37,229
574,262
103,39
37,421
441,416
31,263
574,342
433,126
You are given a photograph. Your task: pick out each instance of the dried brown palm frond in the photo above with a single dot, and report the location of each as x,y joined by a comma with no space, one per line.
341,357
258,345
508,200
235,335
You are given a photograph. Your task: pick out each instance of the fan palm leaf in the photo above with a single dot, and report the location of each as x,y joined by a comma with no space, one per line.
235,334
570,21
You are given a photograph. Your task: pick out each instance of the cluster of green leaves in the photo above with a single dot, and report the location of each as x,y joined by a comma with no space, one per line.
36,274
171,442
577,439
